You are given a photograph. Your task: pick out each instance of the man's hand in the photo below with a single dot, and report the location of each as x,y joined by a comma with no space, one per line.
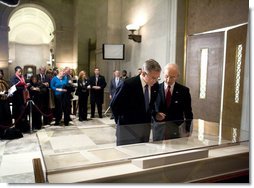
160,116
46,84
61,90
96,87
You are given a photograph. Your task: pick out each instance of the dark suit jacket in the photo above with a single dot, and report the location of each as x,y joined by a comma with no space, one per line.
180,107
112,88
82,87
97,95
128,107
44,95
45,80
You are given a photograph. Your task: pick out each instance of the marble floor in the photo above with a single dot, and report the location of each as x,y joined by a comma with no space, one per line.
16,155
88,142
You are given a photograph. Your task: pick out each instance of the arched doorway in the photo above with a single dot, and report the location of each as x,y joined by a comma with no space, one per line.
31,38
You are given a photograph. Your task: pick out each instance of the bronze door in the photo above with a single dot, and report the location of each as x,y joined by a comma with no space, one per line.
208,106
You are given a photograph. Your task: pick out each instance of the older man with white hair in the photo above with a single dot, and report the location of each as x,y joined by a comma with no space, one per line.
174,103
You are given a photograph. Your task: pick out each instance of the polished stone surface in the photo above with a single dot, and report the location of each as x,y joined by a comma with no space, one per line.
16,155
18,178
68,160
16,159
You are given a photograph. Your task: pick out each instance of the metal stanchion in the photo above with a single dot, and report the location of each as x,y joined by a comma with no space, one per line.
30,116
105,113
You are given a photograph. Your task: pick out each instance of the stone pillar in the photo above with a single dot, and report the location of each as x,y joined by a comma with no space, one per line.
172,31
4,49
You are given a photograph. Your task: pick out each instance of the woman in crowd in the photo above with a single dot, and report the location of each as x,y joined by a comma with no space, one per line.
51,105
36,90
19,100
5,117
58,85
83,93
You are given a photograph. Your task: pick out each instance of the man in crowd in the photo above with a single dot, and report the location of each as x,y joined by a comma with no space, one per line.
115,82
124,75
44,97
98,84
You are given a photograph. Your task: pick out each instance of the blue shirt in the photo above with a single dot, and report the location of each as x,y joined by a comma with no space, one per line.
58,83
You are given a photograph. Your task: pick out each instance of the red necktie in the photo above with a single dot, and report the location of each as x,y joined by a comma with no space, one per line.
168,97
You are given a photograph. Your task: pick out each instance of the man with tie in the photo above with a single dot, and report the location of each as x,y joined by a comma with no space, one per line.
133,105
173,101
98,84
44,80
114,83
124,75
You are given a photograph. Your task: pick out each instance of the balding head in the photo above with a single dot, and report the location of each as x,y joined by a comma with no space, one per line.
117,73
42,70
171,73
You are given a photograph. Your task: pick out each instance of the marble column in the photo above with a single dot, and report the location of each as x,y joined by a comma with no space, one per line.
4,48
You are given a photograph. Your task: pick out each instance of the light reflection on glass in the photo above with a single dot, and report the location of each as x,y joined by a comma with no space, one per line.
234,135
238,72
203,73
201,129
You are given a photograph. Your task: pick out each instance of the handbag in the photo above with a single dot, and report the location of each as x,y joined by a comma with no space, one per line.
12,133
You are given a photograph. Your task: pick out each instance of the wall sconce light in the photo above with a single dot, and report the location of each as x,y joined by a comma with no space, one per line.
132,36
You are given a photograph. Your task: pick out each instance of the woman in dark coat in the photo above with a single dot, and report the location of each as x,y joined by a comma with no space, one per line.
83,93
18,100
5,117
36,90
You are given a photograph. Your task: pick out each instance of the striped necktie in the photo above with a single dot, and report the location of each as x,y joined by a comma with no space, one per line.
146,97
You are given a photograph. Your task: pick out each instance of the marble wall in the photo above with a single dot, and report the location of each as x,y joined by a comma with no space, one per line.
158,29
3,48
158,21
22,54
84,29
206,15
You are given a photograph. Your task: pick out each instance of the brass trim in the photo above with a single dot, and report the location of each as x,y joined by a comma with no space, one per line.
185,41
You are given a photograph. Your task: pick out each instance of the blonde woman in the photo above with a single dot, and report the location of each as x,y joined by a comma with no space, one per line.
82,93
58,84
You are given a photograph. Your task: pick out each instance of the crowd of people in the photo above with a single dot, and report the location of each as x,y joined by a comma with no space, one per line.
51,92
136,103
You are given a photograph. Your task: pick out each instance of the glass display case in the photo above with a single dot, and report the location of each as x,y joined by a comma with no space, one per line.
90,154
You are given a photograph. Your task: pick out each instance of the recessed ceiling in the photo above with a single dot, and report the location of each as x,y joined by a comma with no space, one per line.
31,26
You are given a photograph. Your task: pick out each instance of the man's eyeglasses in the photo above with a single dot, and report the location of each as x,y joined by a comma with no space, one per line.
152,77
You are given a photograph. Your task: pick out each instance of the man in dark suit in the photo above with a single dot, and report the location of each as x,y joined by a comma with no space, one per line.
124,75
44,80
98,84
133,105
175,106
114,83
